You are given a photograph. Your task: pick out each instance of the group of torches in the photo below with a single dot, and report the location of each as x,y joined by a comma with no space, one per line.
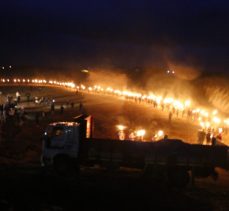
208,121
205,119
137,135
36,81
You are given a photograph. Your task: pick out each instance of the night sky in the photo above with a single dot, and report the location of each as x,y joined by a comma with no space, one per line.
124,34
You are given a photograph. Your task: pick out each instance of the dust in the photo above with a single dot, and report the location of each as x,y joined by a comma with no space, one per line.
108,77
217,92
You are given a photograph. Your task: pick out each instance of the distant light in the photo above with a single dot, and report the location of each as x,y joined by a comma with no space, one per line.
85,71
10,66
170,72
3,68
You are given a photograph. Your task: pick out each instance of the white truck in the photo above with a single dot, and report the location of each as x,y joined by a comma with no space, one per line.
69,145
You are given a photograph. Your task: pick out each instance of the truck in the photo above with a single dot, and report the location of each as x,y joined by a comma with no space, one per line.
69,146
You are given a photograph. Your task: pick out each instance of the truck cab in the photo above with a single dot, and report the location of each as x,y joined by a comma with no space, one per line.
60,139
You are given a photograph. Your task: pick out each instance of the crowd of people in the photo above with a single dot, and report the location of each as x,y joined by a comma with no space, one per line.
13,115
211,134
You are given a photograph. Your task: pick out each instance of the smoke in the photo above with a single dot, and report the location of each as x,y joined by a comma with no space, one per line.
185,71
216,90
108,77
167,85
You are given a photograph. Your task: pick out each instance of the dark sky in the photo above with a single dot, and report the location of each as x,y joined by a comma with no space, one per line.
126,34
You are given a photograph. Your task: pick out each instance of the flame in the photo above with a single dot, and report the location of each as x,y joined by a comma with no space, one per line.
121,127
140,133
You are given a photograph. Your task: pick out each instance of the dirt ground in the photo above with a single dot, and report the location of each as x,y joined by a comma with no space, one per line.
23,186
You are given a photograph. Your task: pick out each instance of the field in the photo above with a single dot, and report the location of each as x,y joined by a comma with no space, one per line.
25,187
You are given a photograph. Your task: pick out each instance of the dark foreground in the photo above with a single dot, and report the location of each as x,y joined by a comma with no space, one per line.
27,188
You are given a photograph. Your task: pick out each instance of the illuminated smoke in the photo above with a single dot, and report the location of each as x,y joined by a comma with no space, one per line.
185,72
107,77
216,90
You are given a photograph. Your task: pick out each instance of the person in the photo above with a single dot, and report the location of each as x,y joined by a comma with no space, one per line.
183,113
214,141
52,106
61,109
72,104
201,136
166,137
208,138
170,117
18,96
28,96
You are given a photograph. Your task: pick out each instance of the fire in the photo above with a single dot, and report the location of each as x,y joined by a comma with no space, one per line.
216,120
140,134
160,133
121,127
201,116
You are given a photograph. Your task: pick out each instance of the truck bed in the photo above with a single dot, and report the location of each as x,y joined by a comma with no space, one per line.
164,152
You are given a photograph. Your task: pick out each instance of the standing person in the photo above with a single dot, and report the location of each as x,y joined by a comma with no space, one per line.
162,106
177,112
18,97
214,141
28,97
166,137
72,104
201,137
208,138
170,117
61,109
53,106
183,113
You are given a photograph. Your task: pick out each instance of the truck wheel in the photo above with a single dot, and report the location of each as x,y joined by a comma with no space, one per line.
178,178
65,167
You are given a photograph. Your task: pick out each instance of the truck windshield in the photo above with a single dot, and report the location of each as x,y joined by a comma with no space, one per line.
57,131
55,136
